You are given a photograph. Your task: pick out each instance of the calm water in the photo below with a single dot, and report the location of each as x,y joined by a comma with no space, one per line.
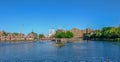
44,51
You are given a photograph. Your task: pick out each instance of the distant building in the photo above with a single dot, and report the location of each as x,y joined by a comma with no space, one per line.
51,32
60,30
31,36
20,37
2,35
88,30
77,33
13,36
8,37
80,33
3,38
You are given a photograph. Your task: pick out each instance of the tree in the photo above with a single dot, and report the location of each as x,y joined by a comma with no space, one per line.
4,33
110,32
113,32
118,31
60,35
41,35
16,33
106,32
87,36
98,33
66,34
69,34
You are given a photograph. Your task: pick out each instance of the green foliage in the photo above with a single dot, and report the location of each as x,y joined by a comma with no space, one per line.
118,31
41,35
61,34
112,33
88,35
4,33
98,33
15,33
69,34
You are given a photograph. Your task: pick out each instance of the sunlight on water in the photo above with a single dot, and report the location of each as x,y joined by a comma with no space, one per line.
44,51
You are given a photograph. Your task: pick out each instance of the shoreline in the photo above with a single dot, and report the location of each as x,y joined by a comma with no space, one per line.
112,40
63,40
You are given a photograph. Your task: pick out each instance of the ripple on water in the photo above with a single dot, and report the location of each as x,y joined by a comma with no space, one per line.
72,52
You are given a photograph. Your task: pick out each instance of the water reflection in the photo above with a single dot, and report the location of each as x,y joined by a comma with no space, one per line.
44,51
59,44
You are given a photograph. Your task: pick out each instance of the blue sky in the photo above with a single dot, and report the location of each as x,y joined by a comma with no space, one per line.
42,15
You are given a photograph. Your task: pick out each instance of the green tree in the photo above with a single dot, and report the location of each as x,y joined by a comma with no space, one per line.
88,36
4,33
105,31
16,33
98,33
41,35
61,34
69,34
113,32
109,32
118,31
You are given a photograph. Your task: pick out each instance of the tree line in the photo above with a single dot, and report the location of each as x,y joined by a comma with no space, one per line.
106,33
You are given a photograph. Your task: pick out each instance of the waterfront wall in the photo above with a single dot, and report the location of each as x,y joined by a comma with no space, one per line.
68,39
